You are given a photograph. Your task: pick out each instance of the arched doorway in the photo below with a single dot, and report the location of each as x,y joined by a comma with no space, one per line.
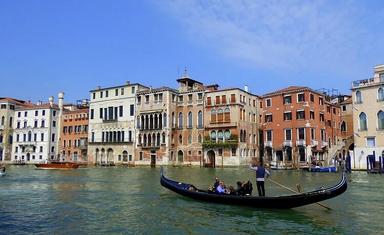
180,156
110,156
211,159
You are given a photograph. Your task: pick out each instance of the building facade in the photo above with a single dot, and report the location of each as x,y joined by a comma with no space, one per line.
231,127
7,114
368,118
300,126
112,115
74,133
36,131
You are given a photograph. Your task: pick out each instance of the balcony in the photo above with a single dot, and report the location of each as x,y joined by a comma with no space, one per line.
221,124
314,143
231,143
362,83
287,143
324,144
109,120
268,144
300,142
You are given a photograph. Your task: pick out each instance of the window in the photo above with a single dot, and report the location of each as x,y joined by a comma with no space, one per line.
106,93
139,100
301,133
300,97
53,123
43,112
344,107
343,127
312,98
311,115
233,98
190,121
300,114
92,113
268,118
25,114
321,117
180,120
41,149
213,116
287,99
287,116
116,92
93,95
19,114
380,94
268,135
190,98
121,111
133,90
180,139
359,98
3,106
268,102
122,91
2,120
101,94
223,99
132,110
213,135
288,134
209,102
313,133
380,120
199,96
147,99
42,136
233,151
371,142
53,137
36,112
362,122
200,119
181,98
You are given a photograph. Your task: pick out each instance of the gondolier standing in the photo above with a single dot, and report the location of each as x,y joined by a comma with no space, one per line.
261,174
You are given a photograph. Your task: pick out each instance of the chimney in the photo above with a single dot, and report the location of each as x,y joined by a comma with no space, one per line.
51,99
61,99
246,88
39,102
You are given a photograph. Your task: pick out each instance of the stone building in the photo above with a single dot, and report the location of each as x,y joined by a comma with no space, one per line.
231,127
7,114
36,131
112,115
74,132
300,125
368,118
170,124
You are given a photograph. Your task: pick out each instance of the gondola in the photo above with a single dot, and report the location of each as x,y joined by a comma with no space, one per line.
276,202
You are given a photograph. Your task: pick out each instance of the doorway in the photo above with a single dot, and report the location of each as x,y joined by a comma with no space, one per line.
211,159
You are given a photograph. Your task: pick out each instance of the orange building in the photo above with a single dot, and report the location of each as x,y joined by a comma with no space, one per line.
74,133
300,125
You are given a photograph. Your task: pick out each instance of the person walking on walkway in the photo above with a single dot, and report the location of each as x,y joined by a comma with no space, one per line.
261,174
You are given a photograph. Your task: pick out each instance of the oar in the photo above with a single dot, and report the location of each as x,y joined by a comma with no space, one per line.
298,190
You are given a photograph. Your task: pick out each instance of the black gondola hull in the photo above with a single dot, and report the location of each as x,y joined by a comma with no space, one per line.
278,202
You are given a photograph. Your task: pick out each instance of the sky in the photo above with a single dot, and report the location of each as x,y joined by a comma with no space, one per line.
75,46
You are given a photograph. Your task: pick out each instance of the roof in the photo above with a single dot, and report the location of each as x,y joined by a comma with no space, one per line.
187,79
160,89
347,101
115,87
289,89
12,100
30,106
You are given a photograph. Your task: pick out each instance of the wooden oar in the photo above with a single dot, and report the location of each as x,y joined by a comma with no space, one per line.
298,191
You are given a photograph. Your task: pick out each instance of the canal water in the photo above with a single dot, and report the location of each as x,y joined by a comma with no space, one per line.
131,201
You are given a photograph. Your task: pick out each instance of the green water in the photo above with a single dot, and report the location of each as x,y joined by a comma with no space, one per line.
131,201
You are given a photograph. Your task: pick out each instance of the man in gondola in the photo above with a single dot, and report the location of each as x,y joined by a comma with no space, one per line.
261,174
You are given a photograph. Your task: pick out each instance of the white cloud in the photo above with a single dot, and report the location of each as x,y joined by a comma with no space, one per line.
276,34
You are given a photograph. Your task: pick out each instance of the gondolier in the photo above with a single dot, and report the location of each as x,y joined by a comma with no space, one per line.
261,174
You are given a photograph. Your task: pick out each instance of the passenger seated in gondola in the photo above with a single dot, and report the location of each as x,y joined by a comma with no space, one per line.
221,189
244,188
214,187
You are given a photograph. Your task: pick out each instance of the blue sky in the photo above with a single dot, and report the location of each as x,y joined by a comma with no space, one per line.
75,46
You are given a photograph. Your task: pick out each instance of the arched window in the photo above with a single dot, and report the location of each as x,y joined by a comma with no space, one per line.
359,98
190,121
220,115
213,116
29,136
220,135
227,115
227,134
25,124
200,119
190,139
158,139
380,94
165,119
363,122
173,120
180,120
180,139
343,127
163,139
213,135
380,120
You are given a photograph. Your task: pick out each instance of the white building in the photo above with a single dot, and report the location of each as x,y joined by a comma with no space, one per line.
111,133
368,118
36,131
7,113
